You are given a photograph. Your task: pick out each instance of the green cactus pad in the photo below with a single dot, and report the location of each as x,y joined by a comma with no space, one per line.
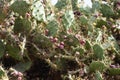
96,6
14,52
83,20
42,41
98,51
68,19
106,10
101,22
61,4
20,7
97,66
38,11
114,71
23,66
52,27
72,40
22,26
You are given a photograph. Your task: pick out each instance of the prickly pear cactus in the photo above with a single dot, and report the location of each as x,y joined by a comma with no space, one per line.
106,10
101,23
83,20
20,7
68,38
98,51
22,25
14,52
68,19
61,4
42,41
23,66
74,4
71,40
96,5
97,66
114,71
38,11
52,28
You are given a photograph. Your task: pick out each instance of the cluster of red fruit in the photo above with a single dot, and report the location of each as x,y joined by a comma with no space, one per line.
57,44
17,74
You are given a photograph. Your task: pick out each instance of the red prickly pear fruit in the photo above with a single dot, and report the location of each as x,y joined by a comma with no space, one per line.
61,46
61,43
55,39
82,42
28,15
20,74
19,78
46,32
15,73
